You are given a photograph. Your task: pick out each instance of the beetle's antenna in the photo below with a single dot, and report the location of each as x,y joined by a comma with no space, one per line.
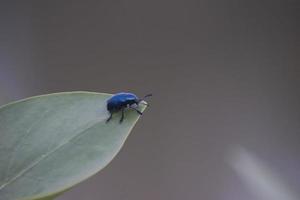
146,96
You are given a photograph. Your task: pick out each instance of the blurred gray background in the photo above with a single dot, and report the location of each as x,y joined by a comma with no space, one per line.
224,120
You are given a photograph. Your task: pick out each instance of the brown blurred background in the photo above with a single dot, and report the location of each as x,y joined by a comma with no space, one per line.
224,120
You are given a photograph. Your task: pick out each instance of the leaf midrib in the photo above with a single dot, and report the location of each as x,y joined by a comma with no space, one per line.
44,156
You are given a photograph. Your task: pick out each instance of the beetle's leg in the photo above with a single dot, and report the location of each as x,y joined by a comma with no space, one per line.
110,116
122,117
139,112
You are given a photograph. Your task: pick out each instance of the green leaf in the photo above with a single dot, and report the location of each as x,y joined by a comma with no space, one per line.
50,143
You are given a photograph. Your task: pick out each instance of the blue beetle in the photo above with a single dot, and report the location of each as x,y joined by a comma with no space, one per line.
120,101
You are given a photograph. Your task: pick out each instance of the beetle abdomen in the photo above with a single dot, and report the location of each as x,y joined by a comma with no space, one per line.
120,100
